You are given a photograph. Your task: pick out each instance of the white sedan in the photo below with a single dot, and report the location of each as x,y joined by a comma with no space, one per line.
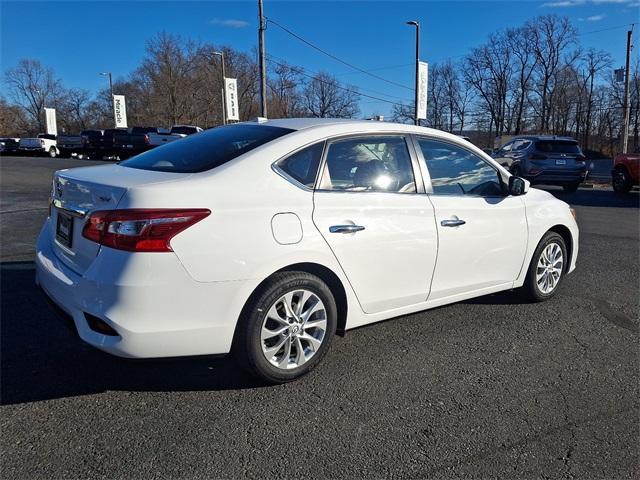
267,238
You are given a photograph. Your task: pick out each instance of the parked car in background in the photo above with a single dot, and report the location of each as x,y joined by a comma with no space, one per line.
547,160
624,175
176,133
43,144
116,143
344,223
9,146
69,145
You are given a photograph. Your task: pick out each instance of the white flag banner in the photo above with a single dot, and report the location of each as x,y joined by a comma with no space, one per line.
120,111
423,83
52,127
231,98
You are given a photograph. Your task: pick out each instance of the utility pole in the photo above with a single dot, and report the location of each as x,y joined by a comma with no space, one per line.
625,129
263,66
417,94
224,97
108,74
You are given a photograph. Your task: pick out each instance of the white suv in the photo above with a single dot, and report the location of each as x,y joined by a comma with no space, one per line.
267,238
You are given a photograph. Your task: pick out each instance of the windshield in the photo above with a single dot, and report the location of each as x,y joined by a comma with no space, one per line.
558,146
206,150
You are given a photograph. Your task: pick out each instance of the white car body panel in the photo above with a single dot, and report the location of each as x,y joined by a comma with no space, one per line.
188,302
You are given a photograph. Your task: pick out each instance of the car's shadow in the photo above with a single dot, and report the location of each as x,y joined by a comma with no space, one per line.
596,197
41,359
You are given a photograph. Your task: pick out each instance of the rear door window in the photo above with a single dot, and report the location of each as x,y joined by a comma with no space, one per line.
207,150
302,166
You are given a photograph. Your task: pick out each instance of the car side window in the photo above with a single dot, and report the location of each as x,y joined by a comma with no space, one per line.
302,166
522,145
369,164
506,148
457,171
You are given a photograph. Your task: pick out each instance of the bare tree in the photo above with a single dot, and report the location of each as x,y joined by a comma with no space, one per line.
552,37
285,98
525,62
325,97
34,87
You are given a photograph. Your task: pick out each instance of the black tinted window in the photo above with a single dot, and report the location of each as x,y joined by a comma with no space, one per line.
303,165
558,146
206,150
184,130
457,171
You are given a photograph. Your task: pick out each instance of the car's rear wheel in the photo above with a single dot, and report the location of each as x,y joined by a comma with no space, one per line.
571,187
52,152
547,268
287,327
621,181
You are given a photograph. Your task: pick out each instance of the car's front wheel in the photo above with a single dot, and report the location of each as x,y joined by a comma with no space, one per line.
287,327
547,267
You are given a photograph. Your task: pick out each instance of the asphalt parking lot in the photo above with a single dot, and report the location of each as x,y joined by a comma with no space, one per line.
491,387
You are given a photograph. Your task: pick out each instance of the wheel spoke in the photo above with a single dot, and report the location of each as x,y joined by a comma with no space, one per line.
315,343
272,351
284,361
315,308
320,323
275,315
268,333
300,357
306,295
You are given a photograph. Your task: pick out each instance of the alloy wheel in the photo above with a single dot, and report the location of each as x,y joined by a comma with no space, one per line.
293,329
549,268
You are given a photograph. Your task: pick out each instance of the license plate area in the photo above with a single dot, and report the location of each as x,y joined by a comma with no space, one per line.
561,162
64,229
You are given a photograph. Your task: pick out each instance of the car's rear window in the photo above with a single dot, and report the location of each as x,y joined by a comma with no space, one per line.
206,150
184,130
558,146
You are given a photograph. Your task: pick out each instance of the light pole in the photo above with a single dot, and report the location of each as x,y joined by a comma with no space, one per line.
108,74
224,110
416,24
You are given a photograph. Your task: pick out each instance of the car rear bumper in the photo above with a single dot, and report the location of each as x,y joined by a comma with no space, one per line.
552,177
153,306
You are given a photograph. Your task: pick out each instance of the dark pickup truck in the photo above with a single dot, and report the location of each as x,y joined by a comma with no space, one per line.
117,143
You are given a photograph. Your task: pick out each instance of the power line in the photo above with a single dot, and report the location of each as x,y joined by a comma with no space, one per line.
330,55
359,88
334,84
626,25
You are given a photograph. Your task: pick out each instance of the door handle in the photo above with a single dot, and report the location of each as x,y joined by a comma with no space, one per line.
454,222
345,228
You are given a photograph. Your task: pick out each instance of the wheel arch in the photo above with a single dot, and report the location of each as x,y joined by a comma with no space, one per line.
565,233
326,275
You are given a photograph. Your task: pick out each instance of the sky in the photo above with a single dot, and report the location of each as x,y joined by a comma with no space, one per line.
80,39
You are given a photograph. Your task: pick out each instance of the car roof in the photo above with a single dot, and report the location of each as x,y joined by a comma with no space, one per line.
349,124
544,137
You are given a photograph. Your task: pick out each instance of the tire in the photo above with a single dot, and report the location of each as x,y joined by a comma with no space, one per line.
535,291
571,188
621,181
52,152
274,358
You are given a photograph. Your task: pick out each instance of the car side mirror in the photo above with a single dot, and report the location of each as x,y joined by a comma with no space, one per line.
517,186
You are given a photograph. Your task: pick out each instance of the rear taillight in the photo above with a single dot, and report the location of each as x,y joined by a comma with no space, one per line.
537,156
140,230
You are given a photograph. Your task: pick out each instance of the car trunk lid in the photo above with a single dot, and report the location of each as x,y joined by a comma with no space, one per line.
78,192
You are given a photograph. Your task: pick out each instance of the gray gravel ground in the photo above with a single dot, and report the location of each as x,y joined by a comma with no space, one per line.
492,387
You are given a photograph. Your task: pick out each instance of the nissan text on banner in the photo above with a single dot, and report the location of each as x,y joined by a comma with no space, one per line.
231,98
50,115
120,111
423,82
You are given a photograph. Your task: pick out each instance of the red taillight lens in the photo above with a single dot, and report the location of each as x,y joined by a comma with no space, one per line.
537,156
140,230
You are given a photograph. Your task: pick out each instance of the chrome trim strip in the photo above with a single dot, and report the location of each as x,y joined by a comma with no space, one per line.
68,208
